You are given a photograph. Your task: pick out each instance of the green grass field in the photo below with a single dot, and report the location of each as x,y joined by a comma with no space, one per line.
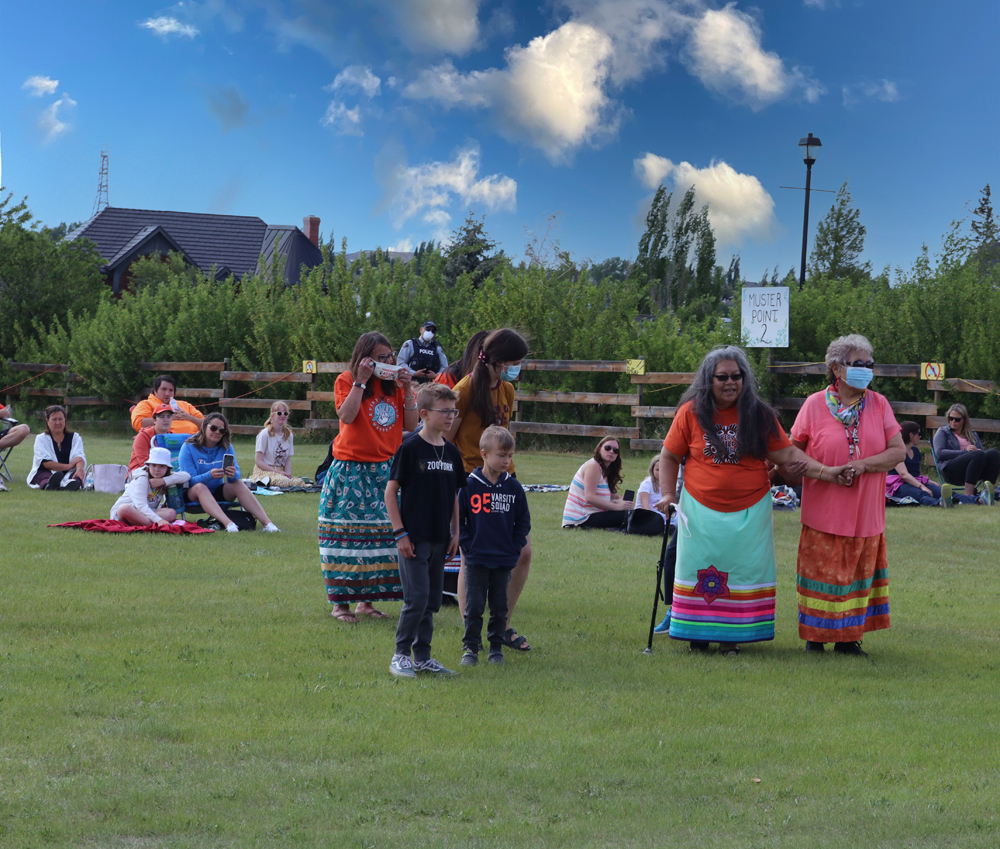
161,691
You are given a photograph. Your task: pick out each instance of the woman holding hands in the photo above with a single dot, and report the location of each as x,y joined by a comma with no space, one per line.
724,585
357,549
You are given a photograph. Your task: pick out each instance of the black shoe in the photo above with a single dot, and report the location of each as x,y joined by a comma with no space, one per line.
850,648
814,646
698,645
74,485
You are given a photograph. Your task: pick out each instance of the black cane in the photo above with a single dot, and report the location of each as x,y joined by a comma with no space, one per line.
658,594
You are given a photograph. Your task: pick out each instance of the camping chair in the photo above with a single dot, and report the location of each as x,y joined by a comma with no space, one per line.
5,425
173,442
937,468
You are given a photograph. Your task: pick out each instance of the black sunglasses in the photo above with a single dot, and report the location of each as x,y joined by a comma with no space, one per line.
611,448
862,364
280,413
725,378
955,418
216,429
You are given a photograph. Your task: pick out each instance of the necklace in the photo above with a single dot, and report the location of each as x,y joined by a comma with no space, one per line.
440,457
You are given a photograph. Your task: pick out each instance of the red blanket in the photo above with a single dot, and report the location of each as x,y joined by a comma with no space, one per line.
112,527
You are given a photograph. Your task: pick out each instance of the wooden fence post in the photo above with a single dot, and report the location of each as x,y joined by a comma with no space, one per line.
225,383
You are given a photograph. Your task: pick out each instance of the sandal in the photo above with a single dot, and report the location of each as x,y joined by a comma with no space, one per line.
730,651
344,616
515,641
372,612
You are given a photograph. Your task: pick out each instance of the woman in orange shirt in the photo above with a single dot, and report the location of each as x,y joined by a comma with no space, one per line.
357,550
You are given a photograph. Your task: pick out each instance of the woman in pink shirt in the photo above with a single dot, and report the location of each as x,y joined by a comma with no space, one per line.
842,572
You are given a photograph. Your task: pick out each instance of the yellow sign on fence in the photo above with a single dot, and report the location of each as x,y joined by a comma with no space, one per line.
932,371
635,366
309,366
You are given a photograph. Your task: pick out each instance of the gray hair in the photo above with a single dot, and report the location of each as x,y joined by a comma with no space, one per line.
839,349
758,422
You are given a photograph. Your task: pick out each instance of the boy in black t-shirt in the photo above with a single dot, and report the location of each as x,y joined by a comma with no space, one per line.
428,470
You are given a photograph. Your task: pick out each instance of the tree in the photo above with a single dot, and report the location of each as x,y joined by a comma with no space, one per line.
40,280
471,252
670,240
840,240
985,231
58,233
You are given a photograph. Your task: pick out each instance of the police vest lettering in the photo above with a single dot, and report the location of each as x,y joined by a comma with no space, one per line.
491,502
424,356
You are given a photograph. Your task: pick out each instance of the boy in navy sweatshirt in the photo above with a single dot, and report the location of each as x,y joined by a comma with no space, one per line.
493,527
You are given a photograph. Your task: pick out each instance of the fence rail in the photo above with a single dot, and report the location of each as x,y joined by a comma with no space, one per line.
226,397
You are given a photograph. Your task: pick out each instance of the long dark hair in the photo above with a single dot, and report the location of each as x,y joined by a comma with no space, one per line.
59,408
758,422
198,440
613,470
460,368
364,347
501,346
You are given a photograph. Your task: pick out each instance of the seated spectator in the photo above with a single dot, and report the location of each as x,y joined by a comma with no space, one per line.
423,354
186,418
961,457
649,489
593,500
460,368
11,434
201,457
163,417
59,461
905,481
142,502
274,449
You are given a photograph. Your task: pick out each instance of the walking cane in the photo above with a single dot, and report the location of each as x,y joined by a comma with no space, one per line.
658,594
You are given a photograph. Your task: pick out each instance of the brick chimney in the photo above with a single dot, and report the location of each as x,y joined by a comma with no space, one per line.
310,226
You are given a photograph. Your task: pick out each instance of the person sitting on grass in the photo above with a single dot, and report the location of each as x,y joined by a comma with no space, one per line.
202,458
274,449
163,418
428,471
905,481
494,523
593,500
59,461
142,503
187,419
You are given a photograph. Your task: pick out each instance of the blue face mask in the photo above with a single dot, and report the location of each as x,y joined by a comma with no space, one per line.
859,378
511,372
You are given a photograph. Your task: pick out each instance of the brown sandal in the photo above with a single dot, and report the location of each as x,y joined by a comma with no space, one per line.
344,616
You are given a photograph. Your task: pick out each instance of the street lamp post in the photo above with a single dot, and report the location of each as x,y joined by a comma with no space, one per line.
811,145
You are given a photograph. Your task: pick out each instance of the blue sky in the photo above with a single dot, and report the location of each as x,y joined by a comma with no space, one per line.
390,119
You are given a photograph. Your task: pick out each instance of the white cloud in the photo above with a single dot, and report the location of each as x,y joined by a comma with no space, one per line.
815,4
725,53
344,121
738,205
429,190
550,94
165,27
37,86
402,246
885,90
50,122
356,79
438,26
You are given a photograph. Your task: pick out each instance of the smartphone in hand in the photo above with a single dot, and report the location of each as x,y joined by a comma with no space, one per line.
630,495
227,461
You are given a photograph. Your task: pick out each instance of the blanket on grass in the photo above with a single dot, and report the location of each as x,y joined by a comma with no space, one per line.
113,527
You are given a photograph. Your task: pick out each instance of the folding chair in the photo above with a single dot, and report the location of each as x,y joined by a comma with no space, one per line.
937,468
173,442
5,425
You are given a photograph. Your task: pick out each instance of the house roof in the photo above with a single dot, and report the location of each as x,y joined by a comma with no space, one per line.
291,243
205,239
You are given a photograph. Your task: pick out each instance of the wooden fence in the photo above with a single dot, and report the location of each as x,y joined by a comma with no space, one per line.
224,396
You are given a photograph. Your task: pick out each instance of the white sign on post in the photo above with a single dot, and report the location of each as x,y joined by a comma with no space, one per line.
764,317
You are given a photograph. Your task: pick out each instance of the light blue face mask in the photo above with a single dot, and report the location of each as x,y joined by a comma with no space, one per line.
859,378
511,372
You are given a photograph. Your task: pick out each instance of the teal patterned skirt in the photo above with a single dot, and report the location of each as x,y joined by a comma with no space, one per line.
357,550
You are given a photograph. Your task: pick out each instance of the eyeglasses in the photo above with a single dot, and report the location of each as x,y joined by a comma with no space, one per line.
735,377
613,449
955,419
449,413
281,414
386,358
862,364
216,429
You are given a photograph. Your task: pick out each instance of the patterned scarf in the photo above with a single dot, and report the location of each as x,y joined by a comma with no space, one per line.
848,414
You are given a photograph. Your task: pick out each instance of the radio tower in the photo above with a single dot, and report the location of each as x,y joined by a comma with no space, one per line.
101,200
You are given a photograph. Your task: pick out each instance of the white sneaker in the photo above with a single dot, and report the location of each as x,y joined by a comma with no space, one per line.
401,666
271,528
232,529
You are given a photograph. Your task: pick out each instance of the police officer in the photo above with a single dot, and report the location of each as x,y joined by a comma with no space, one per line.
423,355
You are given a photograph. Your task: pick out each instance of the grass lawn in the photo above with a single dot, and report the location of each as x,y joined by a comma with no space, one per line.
160,691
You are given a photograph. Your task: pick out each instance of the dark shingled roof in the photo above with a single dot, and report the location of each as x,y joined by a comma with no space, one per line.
221,240
295,246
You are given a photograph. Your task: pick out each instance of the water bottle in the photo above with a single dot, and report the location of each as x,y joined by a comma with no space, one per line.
88,482
175,499
174,405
